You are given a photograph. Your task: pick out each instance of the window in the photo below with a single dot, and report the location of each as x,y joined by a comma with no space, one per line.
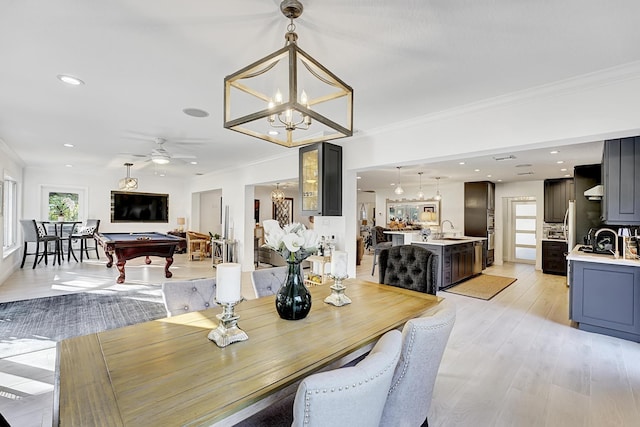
63,205
9,211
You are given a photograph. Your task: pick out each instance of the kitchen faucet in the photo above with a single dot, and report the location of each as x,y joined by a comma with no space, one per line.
450,223
615,237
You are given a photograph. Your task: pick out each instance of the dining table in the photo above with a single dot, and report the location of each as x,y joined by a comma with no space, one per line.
167,372
59,231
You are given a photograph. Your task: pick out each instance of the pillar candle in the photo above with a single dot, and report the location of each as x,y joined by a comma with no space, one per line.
228,282
339,264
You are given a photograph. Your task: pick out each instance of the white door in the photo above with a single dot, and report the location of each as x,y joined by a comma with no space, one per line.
523,231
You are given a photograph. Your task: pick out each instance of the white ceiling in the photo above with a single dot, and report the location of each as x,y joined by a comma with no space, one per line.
144,61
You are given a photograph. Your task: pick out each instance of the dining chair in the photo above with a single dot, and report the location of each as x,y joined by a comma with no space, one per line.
423,343
191,295
67,230
379,242
86,233
409,267
267,281
34,233
199,245
349,396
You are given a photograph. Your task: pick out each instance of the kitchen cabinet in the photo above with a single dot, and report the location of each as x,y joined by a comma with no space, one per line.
553,257
455,261
479,213
321,179
557,193
621,179
605,298
588,212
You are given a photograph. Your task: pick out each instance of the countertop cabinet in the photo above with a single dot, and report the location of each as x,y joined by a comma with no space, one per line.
605,298
621,178
557,193
455,262
553,257
321,179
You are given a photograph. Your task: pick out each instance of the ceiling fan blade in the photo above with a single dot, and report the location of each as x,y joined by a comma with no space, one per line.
183,156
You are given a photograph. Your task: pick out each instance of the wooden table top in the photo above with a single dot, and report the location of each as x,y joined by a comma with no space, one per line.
166,372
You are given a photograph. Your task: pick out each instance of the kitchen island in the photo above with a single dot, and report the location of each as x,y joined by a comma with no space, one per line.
457,258
604,294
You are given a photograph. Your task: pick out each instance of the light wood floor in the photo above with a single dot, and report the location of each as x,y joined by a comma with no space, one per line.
512,361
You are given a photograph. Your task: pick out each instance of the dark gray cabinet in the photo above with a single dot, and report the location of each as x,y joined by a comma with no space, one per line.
455,262
588,212
554,260
479,213
320,178
605,298
621,179
557,193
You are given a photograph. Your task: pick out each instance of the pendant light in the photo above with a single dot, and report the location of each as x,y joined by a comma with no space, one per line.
437,196
277,195
127,183
399,190
420,194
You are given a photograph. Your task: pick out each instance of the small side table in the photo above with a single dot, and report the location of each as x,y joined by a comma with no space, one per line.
322,260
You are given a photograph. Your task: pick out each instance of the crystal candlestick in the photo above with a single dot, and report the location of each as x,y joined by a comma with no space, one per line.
337,297
227,331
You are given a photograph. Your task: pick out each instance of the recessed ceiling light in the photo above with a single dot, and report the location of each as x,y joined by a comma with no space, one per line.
554,152
563,170
161,174
359,177
70,80
567,175
489,176
195,112
499,180
461,163
359,189
194,163
68,145
68,166
560,162
476,170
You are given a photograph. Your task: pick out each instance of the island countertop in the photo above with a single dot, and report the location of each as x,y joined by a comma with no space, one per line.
450,240
577,255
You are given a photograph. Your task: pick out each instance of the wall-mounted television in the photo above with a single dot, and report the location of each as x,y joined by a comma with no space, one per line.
139,207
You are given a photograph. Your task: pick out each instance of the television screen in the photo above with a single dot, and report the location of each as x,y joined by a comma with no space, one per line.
139,207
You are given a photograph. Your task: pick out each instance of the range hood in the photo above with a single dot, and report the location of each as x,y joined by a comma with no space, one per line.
595,193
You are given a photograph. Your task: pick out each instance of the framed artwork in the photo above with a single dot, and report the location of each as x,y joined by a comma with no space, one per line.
256,210
283,211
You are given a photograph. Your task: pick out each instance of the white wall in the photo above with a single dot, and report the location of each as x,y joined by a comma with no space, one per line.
98,189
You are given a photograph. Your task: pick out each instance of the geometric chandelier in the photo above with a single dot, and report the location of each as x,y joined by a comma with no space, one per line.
288,97
277,195
128,183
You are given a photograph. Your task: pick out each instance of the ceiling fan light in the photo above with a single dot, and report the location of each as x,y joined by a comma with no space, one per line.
159,160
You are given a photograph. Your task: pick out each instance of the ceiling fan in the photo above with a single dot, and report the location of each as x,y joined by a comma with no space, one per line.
161,156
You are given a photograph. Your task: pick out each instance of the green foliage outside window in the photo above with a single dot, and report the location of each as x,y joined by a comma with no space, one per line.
63,205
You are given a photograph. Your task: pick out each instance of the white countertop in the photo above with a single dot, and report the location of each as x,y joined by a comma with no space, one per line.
451,241
547,239
576,255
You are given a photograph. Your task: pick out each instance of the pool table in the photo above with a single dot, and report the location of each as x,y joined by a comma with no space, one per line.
127,246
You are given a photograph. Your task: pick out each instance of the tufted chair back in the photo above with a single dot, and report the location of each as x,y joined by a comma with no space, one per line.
267,281
423,343
409,267
353,396
190,295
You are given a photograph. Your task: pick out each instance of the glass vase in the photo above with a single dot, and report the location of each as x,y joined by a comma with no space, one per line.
293,300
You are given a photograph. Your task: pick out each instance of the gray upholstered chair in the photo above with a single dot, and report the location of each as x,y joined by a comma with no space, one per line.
379,241
409,267
86,233
33,233
185,296
267,281
352,396
423,342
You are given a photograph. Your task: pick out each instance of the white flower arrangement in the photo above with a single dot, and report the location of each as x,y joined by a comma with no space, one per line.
295,242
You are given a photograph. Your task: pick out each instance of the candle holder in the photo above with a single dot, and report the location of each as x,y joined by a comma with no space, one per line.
227,331
337,297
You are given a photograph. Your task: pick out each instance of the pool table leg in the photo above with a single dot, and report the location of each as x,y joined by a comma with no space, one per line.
167,273
120,264
147,260
110,258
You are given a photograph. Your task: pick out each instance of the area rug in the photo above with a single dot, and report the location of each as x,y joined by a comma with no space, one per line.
484,286
39,323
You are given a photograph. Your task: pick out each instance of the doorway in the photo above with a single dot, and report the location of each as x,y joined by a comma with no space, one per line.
522,230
